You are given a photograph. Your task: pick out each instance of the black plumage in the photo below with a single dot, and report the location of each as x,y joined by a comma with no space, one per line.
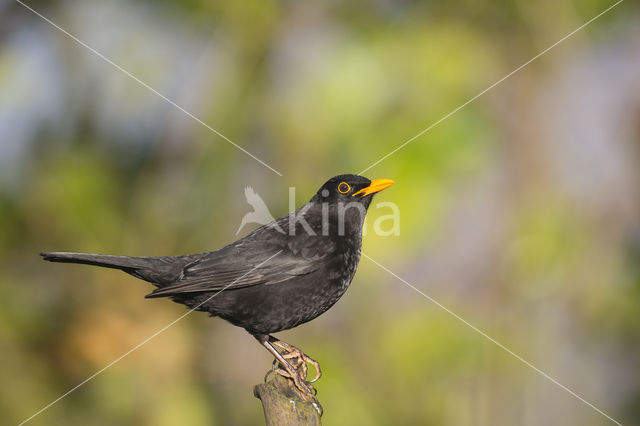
283,274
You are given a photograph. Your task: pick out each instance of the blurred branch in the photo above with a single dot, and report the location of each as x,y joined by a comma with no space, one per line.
282,407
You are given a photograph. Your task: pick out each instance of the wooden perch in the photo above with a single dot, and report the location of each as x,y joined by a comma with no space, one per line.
282,407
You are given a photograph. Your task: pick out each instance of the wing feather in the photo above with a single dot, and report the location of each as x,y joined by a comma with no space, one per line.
239,265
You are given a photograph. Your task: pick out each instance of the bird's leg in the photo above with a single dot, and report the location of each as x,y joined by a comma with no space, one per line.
304,390
275,369
301,358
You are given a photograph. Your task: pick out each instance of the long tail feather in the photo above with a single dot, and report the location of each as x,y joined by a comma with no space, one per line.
105,260
160,271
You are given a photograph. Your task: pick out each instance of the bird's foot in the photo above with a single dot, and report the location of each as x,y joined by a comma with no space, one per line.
301,385
299,360
304,390
292,364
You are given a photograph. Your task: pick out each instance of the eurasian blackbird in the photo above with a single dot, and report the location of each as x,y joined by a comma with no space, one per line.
281,275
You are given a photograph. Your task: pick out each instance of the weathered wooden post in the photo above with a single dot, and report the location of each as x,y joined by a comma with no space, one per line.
282,407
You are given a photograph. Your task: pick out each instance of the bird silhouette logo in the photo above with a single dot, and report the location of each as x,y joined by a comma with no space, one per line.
260,214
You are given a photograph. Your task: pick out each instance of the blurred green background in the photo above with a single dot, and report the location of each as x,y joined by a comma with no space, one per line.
521,212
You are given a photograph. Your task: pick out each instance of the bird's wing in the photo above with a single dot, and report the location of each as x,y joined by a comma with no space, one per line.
249,193
252,198
251,263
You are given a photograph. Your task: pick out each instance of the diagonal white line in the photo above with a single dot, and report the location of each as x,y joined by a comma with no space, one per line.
491,87
500,345
127,73
143,342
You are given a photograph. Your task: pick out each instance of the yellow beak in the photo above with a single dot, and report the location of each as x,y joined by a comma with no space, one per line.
376,185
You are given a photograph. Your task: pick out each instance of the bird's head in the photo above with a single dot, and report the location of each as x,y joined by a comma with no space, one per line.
350,188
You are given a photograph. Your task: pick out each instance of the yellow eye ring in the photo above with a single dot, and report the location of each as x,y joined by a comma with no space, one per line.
344,187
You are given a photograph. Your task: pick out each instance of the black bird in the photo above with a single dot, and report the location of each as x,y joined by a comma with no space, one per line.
281,275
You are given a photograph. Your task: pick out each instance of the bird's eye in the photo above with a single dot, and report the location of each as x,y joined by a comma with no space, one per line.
344,187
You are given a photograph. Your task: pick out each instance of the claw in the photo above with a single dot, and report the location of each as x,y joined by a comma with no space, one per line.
301,360
304,390
274,366
318,408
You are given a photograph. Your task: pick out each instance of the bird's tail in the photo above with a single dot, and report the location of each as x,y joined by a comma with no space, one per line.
157,270
105,260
